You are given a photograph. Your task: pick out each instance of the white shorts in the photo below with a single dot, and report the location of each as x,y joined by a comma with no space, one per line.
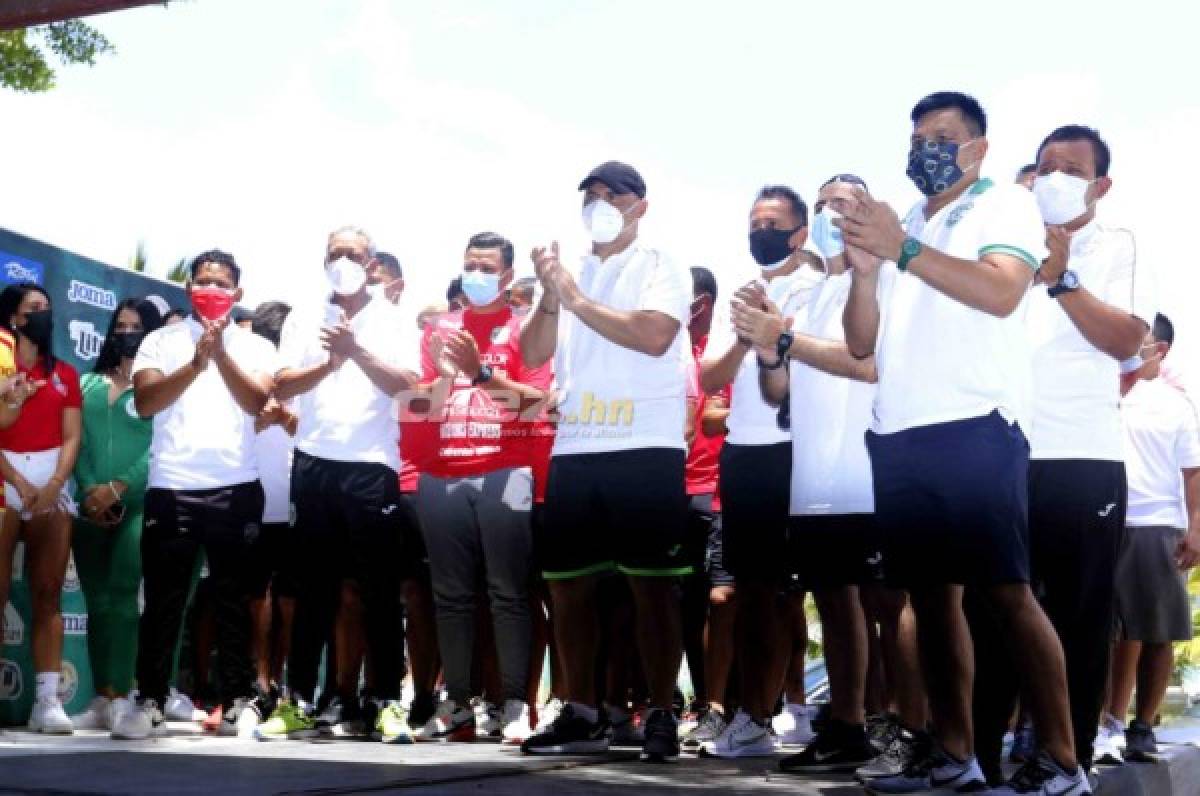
36,468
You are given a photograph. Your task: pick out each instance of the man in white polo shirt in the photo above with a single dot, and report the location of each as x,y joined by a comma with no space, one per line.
345,365
755,465
948,457
204,381
615,499
1089,311
1162,542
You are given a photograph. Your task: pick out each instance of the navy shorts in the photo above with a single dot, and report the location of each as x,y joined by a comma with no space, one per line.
952,502
621,510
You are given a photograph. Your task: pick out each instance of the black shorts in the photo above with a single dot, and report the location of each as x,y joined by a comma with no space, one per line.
703,545
756,484
831,550
952,502
349,517
623,510
272,561
415,563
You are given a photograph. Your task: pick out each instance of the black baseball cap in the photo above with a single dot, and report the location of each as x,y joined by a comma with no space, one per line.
619,177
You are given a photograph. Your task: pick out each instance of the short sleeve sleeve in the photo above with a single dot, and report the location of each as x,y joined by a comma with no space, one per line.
291,343
70,379
667,289
1014,226
1187,444
150,353
407,349
1130,284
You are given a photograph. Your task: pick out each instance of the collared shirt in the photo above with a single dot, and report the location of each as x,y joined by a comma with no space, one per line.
938,359
614,398
1162,438
346,417
831,471
204,440
752,421
1076,397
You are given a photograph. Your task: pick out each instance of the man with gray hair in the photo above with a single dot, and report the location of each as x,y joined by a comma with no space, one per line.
344,365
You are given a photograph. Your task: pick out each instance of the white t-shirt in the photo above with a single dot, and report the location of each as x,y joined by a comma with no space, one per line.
831,471
1076,397
204,440
614,398
346,417
752,421
1162,438
273,446
938,359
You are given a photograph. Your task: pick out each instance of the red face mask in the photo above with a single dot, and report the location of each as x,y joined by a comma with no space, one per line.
211,303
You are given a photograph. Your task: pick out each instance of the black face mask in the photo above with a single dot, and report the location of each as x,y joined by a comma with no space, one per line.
38,328
769,246
126,343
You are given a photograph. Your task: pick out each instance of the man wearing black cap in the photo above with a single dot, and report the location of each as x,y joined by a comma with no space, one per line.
616,499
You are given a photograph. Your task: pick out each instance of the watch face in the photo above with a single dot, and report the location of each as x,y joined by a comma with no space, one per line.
911,246
1070,280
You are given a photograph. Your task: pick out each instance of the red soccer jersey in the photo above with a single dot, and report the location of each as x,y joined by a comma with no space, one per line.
701,468
39,426
478,431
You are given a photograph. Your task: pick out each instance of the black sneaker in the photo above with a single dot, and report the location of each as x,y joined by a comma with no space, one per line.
264,702
900,745
821,719
1044,777
570,734
839,747
334,715
421,710
710,727
662,737
1140,744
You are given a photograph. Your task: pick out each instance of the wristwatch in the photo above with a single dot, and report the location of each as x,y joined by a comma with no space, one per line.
910,249
1066,283
485,375
782,346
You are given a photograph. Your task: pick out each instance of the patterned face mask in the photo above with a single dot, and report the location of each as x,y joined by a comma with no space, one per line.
933,166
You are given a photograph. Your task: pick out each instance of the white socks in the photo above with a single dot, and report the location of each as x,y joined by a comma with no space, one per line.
47,686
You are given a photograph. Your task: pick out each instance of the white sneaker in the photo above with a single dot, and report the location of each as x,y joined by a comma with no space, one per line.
180,708
240,721
793,725
487,719
515,722
49,717
449,723
95,717
931,769
548,714
742,738
1043,777
1106,749
143,720
117,708
625,731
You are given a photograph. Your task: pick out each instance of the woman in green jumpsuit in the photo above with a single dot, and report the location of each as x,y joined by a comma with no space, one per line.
111,479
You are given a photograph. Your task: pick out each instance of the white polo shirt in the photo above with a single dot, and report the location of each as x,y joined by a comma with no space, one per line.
204,440
614,398
752,421
1076,397
1162,438
938,359
346,417
831,470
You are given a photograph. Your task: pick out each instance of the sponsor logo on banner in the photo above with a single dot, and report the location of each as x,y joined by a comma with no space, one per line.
14,269
71,578
87,340
68,682
14,626
11,683
75,624
98,297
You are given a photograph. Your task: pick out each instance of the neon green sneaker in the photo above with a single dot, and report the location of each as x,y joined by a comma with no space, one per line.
392,724
288,721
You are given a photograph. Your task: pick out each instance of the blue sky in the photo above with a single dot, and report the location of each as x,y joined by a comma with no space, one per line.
260,125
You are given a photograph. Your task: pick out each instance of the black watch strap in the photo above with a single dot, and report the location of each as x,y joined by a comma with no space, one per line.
485,375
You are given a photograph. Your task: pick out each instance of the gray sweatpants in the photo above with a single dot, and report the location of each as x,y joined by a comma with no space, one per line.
477,530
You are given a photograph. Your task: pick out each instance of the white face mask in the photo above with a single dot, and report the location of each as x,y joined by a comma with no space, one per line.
481,289
1061,197
827,237
346,277
604,222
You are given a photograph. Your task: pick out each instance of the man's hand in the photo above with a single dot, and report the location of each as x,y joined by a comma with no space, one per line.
760,327
339,341
462,352
205,347
217,330
862,262
437,352
1058,241
44,499
1188,553
873,227
555,279
272,413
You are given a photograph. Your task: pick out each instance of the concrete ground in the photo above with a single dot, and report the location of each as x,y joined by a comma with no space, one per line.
189,763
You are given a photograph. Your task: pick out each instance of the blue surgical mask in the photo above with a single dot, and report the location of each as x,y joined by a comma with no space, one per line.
481,289
933,166
824,235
